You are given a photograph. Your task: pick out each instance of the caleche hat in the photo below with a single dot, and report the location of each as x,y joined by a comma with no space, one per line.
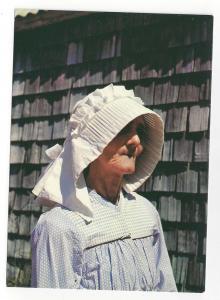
95,121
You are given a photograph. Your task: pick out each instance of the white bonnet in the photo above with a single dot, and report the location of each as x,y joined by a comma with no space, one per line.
95,121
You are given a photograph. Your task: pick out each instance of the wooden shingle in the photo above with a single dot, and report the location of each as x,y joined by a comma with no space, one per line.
11,247
181,270
203,182
111,71
192,211
176,120
171,240
27,252
203,57
205,90
44,130
108,47
15,176
34,220
75,53
12,274
189,91
185,60
174,209
79,76
17,203
13,223
75,96
53,56
146,92
170,209
28,130
95,74
35,130
22,201
163,207
59,128
43,157
18,86
204,246
163,65
61,81
201,150
11,199
27,106
148,65
196,274
167,150
187,182
19,247
199,212
29,178
24,225
16,131
149,184
130,70
161,113
61,103
35,206
198,118
31,60
33,154
19,61
183,150
173,91
187,241
141,188
187,213
32,85
46,81
173,261
160,91
164,183
17,108
17,154
41,107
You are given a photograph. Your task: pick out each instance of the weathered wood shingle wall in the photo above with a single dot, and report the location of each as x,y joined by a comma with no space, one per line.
166,59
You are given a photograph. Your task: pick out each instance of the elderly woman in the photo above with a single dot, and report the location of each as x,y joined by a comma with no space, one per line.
99,233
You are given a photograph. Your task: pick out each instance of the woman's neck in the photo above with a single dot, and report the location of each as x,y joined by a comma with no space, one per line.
108,186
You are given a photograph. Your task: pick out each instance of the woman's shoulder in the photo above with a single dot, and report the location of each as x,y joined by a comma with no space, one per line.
58,220
143,202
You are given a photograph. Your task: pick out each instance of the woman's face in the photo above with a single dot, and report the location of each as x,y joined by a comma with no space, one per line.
119,156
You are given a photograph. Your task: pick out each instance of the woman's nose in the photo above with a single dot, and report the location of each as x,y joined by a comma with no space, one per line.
134,145
134,140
